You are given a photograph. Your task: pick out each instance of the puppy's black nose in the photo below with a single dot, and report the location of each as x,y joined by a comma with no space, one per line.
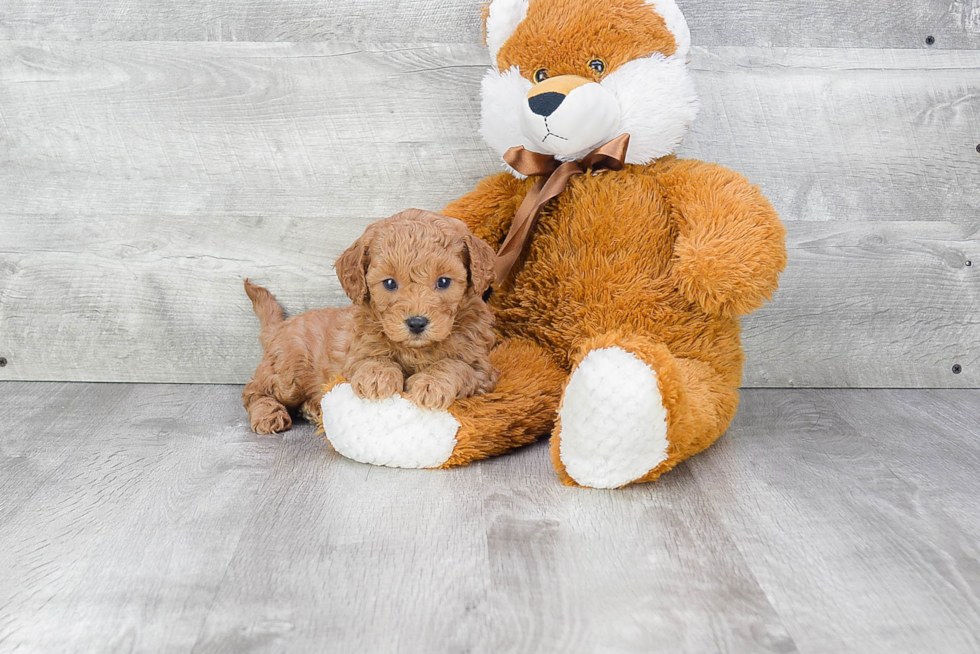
545,104
417,324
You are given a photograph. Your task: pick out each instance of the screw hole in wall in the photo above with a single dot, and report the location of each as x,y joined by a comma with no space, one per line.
978,147
930,40
957,369
3,361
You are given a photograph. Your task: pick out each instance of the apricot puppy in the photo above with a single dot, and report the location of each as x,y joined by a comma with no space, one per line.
418,325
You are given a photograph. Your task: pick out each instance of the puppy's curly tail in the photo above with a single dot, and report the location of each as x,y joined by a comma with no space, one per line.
265,306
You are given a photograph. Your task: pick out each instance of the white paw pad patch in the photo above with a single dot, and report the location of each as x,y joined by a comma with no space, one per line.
392,432
613,421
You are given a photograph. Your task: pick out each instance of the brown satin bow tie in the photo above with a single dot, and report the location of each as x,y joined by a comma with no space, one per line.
554,178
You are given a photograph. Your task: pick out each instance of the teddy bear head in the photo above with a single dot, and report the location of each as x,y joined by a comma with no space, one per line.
571,75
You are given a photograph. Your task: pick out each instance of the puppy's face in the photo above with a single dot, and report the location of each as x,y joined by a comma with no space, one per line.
415,270
416,285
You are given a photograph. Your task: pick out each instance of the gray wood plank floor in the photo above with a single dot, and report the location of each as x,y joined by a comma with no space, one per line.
148,518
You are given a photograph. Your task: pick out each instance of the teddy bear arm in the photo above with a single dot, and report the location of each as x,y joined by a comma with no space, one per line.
489,209
730,247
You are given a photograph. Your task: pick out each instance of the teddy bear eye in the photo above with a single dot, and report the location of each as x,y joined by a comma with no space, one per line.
390,284
443,283
540,75
598,65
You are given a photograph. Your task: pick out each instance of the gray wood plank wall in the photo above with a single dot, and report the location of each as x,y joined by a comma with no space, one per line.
953,24
147,164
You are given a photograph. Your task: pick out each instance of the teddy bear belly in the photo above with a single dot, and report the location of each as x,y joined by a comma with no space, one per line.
555,302
562,313
591,270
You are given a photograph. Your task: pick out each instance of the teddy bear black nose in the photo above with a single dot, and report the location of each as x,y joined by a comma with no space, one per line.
417,324
545,104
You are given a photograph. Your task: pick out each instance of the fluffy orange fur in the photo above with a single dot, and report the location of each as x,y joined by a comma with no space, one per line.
372,343
563,36
659,260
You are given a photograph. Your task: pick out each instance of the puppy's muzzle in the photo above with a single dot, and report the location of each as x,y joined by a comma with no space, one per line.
417,324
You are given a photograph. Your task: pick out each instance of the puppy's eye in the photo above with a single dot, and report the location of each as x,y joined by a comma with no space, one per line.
540,75
390,284
598,65
443,283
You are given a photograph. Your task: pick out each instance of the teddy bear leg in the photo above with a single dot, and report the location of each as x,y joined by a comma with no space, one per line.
632,411
518,411
395,432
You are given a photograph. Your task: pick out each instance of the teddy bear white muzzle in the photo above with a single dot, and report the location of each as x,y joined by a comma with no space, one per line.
569,115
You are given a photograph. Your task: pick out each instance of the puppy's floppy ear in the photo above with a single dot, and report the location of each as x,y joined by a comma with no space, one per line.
480,259
352,268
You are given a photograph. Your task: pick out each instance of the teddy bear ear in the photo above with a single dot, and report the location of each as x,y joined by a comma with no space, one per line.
503,17
676,23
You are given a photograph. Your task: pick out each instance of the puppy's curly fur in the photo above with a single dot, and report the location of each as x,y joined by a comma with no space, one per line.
418,324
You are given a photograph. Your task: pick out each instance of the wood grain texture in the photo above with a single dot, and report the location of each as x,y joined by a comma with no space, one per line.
344,130
140,181
215,130
558,557
159,300
788,23
846,134
367,559
866,497
870,305
156,303
829,24
824,521
125,506
395,21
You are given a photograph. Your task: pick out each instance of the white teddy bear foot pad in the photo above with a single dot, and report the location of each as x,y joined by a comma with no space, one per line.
392,432
613,421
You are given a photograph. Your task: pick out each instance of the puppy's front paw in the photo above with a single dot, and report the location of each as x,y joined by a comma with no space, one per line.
271,420
430,392
376,381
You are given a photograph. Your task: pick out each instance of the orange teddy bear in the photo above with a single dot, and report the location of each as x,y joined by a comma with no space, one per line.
622,270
